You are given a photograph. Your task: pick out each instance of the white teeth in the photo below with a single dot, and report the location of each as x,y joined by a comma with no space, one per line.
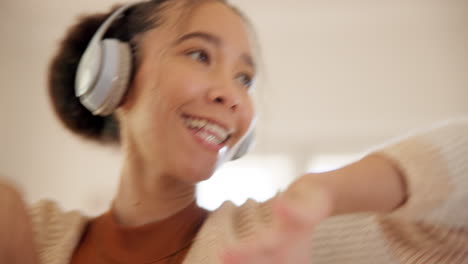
195,123
209,137
210,132
202,123
221,132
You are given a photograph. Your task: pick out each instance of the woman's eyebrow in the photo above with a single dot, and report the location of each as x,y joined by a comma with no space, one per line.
202,35
247,59
215,40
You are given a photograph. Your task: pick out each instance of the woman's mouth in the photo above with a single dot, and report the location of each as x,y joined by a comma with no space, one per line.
208,132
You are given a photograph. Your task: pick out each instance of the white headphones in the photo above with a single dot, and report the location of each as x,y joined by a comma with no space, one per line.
103,76
104,70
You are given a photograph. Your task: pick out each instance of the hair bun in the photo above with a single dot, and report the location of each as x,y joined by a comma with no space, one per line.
61,85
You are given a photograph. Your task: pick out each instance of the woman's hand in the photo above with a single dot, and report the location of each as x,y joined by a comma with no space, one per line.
373,184
16,238
295,214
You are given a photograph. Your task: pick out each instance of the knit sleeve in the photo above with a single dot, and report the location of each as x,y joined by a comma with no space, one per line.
435,166
56,232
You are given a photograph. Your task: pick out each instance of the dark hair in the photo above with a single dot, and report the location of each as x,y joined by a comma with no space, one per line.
136,20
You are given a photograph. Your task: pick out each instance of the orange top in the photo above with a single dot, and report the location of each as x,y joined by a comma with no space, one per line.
105,241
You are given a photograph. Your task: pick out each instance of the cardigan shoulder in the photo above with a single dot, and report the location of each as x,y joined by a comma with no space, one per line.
56,232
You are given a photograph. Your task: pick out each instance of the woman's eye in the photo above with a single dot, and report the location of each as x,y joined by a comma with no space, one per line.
245,80
199,55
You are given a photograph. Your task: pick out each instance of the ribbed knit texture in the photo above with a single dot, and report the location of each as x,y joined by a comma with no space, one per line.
56,233
430,228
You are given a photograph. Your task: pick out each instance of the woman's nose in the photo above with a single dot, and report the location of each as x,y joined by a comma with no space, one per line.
225,94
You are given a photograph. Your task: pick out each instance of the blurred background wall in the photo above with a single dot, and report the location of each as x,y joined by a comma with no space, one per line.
340,77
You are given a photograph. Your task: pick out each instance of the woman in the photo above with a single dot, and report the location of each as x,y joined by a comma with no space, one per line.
185,108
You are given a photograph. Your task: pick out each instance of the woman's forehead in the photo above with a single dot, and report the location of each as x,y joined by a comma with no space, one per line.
211,17
219,19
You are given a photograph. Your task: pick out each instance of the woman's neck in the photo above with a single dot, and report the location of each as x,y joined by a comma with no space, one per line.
147,195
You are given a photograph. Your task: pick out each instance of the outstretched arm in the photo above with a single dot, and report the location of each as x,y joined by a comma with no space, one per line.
421,178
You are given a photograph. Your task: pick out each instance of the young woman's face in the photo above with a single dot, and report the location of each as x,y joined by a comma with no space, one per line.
191,93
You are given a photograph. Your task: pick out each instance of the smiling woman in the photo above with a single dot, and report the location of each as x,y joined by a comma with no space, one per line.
185,105
170,83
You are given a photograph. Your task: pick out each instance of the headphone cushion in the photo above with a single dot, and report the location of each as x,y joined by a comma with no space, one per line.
112,79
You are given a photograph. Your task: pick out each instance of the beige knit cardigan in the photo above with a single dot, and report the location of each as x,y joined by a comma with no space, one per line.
431,227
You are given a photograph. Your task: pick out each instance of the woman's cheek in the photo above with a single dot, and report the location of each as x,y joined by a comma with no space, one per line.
181,79
249,113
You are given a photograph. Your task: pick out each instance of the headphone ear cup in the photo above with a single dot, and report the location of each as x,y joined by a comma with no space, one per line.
244,147
112,80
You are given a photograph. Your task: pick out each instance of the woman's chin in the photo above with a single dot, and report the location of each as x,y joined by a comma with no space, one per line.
200,176
195,174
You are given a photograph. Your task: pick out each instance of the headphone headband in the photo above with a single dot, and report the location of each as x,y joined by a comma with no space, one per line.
108,22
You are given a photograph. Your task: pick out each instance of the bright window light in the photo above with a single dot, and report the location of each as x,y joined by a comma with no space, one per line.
256,177
322,163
